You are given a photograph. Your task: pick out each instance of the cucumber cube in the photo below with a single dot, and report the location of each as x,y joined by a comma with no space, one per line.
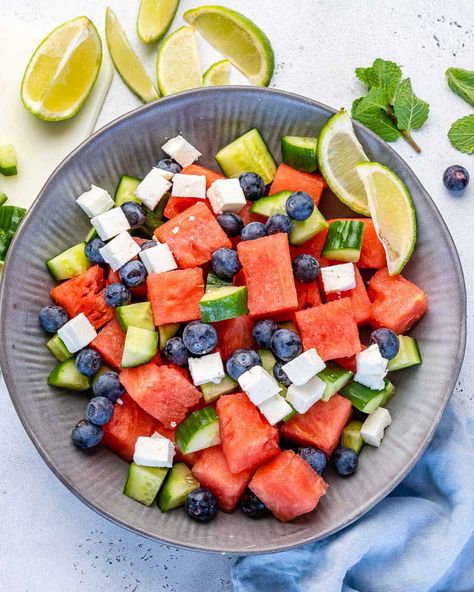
198,431
70,263
178,485
344,241
268,360
58,349
299,152
135,315
140,347
408,354
3,198
126,190
335,378
365,399
223,303
166,332
144,483
212,391
8,164
67,376
351,436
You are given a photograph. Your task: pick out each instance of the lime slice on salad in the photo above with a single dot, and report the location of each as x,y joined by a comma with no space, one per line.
155,18
62,71
237,38
178,65
126,61
392,211
218,74
339,151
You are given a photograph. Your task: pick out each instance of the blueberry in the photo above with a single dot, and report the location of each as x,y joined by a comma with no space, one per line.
314,457
241,361
286,344
262,332
108,385
456,178
117,295
388,342
133,274
252,506
100,410
86,434
278,223
92,250
148,245
280,374
52,318
253,230
199,338
306,268
300,205
134,214
345,461
167,164
225,263
88,362
201,505
176,351
230,223
252,185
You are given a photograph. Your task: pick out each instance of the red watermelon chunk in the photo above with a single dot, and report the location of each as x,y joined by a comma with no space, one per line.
196,169
212,472
247,439
290,179
109,343
177,205
308,295
234,334
321,426
288,486
314,246
359,298
248,216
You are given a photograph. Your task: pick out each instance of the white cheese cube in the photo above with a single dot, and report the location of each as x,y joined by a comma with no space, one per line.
338,278
305,396
110,223
226,195
371,381
304,367
259,385
77,333
158,259
95,201
275,409
120,250
371,368
181,150
168,175
152,188
206,369
153,452
373,428
189,186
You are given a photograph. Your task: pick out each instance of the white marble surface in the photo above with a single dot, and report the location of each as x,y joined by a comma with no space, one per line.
50,540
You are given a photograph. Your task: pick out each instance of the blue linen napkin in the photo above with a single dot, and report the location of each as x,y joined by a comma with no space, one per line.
418,539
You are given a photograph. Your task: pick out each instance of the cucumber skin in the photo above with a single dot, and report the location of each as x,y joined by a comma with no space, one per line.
66,375
211,391
189,430
335,378
351,436
228,307
126,190
408,356
213,282
301,158
136,475
70,263
178,485
58,349
365,399
344,241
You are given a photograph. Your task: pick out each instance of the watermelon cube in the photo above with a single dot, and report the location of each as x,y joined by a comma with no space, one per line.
308,295
248,216
359,298
314,246
196,169
290,179
234,334
288,486
109,343
177,205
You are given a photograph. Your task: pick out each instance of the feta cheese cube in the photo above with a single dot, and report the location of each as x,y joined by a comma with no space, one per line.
152,188
77,333
181,150
373,428
168,175
259,385
206,369
158,259
305,396
226,195
120,250
304,367
110,223
371,368
95,201
338,278
153,452
189,186
275,409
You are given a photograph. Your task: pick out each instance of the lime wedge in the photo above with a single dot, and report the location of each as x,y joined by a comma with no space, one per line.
62,71
237,38
155,18
392,211
178,65
218,74
339,151
126,61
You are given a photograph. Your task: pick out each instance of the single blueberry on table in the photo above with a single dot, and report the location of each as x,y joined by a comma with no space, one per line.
201,505
314,457
388,342
241,361
99,410
456,178
280,374
88,362
225,263
199,338
176,351
133,274
134,214
252,231
262,332
345,461
92,250
86,434
168,164
306,268
52,318
108,385
148,245
299,206
230,223
117,295
252,185
252,506
278,223
286,344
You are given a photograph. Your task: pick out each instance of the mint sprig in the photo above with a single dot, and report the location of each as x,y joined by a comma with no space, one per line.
461,134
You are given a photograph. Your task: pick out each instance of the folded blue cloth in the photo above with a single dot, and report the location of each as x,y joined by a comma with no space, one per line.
418,539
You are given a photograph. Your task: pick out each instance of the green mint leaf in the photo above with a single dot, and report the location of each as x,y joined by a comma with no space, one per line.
410,111
371,111
461,134
462,83
382,73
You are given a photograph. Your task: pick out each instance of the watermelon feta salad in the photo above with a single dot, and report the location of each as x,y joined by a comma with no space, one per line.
230,339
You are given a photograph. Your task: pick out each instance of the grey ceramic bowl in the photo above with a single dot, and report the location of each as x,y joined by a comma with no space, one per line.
210,118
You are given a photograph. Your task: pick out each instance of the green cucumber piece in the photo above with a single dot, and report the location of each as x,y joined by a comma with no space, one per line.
66,375
290,415
91,234
268,360
270,205
213,281
10,218
223,303
3,198
166,332
198,431
140,347
290,325
365,399
69,263
351,436
335,378
178,485
344,241
299,152
126,190
8,164
248,153
135,315
153,218
144,483
212,391
58,349
101,371
408,354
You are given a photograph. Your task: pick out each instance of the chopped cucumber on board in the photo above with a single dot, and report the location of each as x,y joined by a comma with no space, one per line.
198,431
223,303
351,436
58,349
335,378
144,483
212,391
66,375
8,164
344,241
10,219
126,190
140,347
299,152
365,399
70,263
135,315
178,485
408,354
